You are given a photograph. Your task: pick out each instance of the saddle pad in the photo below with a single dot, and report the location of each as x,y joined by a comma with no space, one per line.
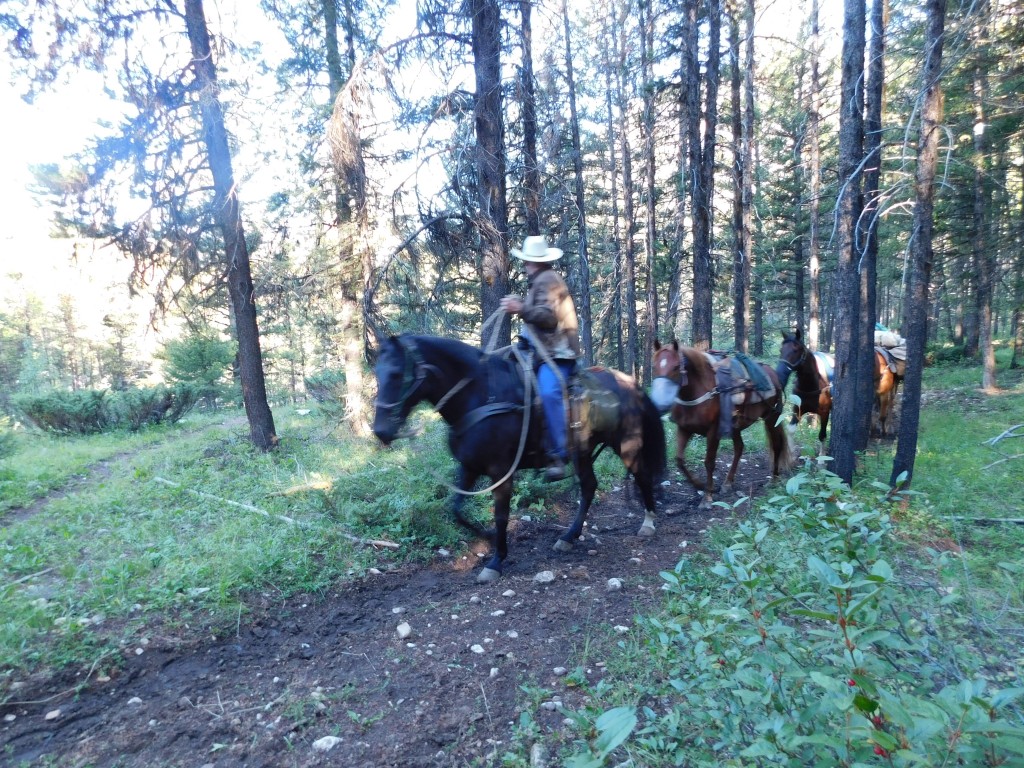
595,407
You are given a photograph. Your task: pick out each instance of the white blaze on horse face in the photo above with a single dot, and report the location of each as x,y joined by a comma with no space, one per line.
663,393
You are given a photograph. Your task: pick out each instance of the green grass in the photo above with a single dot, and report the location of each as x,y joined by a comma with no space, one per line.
188,522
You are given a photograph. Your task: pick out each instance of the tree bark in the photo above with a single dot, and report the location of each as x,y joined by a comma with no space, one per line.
844,427
492,217
702,164
915,324
814,172
229,218
531,168
650,191
583,305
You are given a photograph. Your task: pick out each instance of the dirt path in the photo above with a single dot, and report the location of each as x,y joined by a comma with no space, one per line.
449,694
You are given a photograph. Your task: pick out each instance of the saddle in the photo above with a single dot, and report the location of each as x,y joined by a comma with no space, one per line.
895,358
593,408
740,379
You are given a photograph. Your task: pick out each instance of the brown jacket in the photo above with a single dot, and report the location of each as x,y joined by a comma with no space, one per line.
550,315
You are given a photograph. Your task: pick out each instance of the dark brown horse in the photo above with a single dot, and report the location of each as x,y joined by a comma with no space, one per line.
494,431
685,385
813,386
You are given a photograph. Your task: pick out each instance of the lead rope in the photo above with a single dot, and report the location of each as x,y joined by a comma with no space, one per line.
527,381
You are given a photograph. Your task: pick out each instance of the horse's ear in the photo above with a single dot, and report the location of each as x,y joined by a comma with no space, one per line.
798,335
675,344
657,345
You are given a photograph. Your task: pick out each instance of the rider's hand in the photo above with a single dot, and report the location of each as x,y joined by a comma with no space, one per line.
512,304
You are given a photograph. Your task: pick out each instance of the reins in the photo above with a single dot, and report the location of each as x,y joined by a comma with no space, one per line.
527,382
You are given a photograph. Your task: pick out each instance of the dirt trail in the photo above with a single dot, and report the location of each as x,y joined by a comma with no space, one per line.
449,694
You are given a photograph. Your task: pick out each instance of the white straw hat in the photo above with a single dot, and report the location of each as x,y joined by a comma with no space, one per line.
535,248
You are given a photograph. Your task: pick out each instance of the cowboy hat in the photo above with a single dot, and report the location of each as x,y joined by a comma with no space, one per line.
535,248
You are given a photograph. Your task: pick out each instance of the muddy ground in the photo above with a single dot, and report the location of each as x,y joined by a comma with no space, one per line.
450,694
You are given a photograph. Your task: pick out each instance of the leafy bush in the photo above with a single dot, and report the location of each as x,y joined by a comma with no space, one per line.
800,647
91,411
136,408
79,412
201,360
328,389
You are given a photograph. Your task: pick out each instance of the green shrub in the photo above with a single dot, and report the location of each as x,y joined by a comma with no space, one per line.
328,389
80,412
134,409
800,647
90,411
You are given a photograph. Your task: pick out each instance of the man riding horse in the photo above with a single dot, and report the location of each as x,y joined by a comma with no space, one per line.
549,314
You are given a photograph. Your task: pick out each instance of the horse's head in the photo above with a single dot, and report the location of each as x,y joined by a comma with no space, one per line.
399,373
791,355
668,374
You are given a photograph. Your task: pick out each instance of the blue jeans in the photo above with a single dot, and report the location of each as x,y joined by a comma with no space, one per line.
554,410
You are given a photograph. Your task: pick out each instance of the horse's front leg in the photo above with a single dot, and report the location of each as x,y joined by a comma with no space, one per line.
709,468
502,497
737,452
682,440
588,487
465,481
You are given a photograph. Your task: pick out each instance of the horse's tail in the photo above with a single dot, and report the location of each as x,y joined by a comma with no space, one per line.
653,448
782,451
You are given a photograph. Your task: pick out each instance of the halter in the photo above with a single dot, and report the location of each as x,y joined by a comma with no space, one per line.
681,372
415,373
793,366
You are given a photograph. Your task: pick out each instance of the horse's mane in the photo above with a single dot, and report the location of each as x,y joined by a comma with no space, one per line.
698,360
463,353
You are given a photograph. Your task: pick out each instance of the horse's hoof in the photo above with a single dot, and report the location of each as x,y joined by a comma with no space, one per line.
562,546
706,503
646,531
726,489
487,576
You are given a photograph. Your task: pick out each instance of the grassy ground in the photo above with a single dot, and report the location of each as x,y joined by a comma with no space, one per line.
189,522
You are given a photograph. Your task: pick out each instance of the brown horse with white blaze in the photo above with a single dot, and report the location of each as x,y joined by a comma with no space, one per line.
685,385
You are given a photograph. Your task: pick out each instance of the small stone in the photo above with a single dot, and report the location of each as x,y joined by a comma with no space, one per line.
494,671
620,629
497,613
544,577
476,648
134,700
560,671
444,552
10,718
403,630
326,744
509,593
397,610
475,599
53,714
614,584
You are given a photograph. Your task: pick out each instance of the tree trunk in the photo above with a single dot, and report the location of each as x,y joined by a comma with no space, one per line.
583,305
844,427
984,252
531,169
229,218
613,172
814,172
702,164
492,217
915,325
869,219
650,191
351,210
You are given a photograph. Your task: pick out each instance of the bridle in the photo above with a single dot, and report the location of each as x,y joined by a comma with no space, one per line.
414,374
793,366
681,378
